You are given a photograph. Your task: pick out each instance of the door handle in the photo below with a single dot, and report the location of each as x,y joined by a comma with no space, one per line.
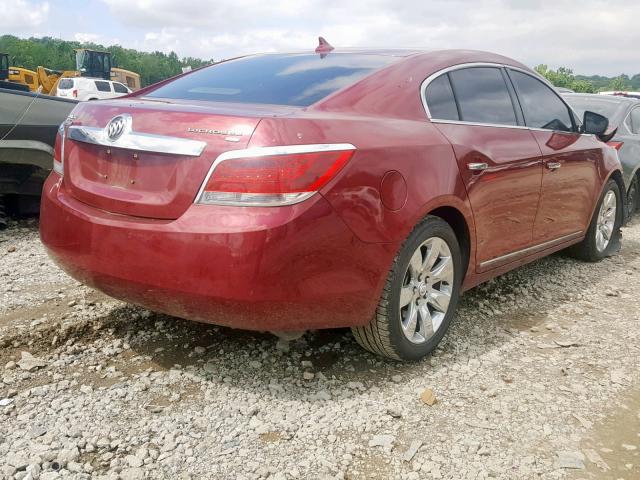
553,165
477,167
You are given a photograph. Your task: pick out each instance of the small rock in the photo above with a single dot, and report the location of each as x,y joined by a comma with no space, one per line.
308,375
30,363
428,397
255,364
570,460
412,450
396,378
199,350
6,402
10,365
132,474
134,461
394,412
282,346
384,441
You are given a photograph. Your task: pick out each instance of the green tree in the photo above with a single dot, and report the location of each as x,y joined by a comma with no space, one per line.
619,83
564,77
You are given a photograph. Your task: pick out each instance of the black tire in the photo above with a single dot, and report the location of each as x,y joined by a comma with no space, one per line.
384,334
632,198
587,250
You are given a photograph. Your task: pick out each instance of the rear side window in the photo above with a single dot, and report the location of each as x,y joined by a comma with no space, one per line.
119,88
440,100
103,86
297,80
541,106
483,96
635,120
65,84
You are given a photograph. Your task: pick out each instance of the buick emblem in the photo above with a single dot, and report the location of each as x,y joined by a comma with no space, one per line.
117,126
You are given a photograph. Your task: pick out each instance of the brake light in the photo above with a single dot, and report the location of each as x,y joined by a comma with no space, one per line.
58,151
271,176
616,145
75,93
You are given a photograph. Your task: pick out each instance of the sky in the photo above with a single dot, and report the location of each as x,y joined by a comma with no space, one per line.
589,36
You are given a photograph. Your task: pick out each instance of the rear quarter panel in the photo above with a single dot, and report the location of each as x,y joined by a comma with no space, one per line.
415,149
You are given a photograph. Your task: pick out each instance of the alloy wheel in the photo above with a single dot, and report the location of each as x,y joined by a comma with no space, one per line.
426,290
606,220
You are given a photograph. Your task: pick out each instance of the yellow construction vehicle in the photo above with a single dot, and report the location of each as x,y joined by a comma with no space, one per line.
43,78
129,78
89,63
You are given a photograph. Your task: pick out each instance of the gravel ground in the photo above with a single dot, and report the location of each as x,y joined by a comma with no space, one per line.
538,378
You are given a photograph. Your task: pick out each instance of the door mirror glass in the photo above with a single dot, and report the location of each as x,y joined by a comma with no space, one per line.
594,123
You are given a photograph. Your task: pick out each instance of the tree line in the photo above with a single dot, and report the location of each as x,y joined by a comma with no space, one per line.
59,54
564,77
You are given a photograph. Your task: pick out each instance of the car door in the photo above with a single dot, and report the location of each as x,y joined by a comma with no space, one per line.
629,151
570,178
498,158
119,89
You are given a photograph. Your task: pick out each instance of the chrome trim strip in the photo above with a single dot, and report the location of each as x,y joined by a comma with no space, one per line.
269,151
477,124
132,140
433,76
532,249
291,199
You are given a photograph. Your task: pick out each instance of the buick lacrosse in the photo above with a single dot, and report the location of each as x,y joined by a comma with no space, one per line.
362,189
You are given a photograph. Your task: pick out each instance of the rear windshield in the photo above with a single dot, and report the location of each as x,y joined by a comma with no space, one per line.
65,83
602,104
298,80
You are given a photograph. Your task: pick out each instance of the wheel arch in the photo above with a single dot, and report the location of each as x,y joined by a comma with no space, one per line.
460,227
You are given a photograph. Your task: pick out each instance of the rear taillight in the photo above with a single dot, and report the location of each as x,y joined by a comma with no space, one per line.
58,151
616,145
75,93
271,176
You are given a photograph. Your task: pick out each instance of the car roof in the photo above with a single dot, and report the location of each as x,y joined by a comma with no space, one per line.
453,56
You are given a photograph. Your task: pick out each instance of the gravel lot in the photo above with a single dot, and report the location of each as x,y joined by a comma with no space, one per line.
538,378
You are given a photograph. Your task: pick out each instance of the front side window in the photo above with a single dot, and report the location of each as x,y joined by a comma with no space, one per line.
119,88
483,96
440,100
103,86
541,106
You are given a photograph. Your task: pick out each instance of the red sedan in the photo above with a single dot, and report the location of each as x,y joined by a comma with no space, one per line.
300,191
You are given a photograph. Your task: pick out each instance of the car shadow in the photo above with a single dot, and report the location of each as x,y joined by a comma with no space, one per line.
488,316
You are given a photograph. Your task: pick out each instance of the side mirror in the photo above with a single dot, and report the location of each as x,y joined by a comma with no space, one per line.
594,123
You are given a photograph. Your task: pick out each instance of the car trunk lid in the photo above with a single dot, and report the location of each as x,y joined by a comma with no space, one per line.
156,170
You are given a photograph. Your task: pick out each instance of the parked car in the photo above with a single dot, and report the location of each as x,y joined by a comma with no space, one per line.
621,94
301,191
81,88
623,113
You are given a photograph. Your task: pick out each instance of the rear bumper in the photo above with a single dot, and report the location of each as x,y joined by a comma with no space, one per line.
286,268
